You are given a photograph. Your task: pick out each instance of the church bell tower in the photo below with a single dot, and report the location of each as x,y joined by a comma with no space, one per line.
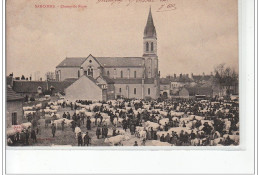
150,48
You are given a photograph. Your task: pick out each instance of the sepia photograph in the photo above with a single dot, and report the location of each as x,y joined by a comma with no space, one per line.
102,73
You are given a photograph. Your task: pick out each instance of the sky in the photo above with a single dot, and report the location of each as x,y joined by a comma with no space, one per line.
193,36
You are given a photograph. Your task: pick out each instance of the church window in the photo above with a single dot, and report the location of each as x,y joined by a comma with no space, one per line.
120,90
108,73
90,71
135,74
134,90
149,91
121,74
147,46
151,46
90,61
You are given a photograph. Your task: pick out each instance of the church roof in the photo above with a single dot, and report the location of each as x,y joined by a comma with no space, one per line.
72,62
105,61
121,61
150,30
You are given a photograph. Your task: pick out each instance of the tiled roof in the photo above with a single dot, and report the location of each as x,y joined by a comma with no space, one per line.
28,86
108,80
72,62
32,86
164,81
105,61
121,61
133,81
12,95
9,80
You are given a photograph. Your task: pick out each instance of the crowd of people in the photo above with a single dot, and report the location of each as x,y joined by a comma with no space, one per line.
177,122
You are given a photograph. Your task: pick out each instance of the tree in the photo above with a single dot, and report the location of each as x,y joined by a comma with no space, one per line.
225,77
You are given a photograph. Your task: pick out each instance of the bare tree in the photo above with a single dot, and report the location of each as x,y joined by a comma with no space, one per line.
226,78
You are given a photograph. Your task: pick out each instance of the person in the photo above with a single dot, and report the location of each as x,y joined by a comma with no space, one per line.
88,124
132,128
165,127
33,136
114,130
87,139
167,138
82,117
162,139
192,135
27,137
105,131
64,115
135,143
73,125
62,125
124,124
53,129
152,133
79,139
68,115
23,137
98,132
143,142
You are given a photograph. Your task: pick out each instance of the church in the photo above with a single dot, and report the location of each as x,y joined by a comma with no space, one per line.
107,78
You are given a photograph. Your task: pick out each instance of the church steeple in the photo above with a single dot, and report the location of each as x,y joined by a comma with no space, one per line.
150,48
150,30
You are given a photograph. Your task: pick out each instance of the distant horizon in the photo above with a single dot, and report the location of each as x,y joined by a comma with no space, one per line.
39,39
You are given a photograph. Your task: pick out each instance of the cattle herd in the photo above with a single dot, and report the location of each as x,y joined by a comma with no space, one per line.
179,122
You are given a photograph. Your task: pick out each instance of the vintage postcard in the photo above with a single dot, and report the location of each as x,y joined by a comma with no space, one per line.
88,73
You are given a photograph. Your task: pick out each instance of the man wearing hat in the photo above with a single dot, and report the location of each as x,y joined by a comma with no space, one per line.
87,139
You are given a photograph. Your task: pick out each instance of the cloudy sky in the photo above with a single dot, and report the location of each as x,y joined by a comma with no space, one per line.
195,37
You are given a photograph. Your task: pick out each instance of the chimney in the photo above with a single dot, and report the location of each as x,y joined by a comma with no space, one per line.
211,73
203,74
191,75
180,75
187,75
174,75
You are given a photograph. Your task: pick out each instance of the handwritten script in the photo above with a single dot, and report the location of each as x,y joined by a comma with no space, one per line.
164,5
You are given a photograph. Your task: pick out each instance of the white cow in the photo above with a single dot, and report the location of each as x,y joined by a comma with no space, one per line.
163,121
158,143
77,131
26,125
116,139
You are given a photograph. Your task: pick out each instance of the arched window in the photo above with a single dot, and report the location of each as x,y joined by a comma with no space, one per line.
134,90
135,74
149,91
147,46
78,73
90,71
151,46
108,73
121,74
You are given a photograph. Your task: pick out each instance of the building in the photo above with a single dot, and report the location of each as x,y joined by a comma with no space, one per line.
36,88
14,108
50,76
132,77
180,81
165,87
